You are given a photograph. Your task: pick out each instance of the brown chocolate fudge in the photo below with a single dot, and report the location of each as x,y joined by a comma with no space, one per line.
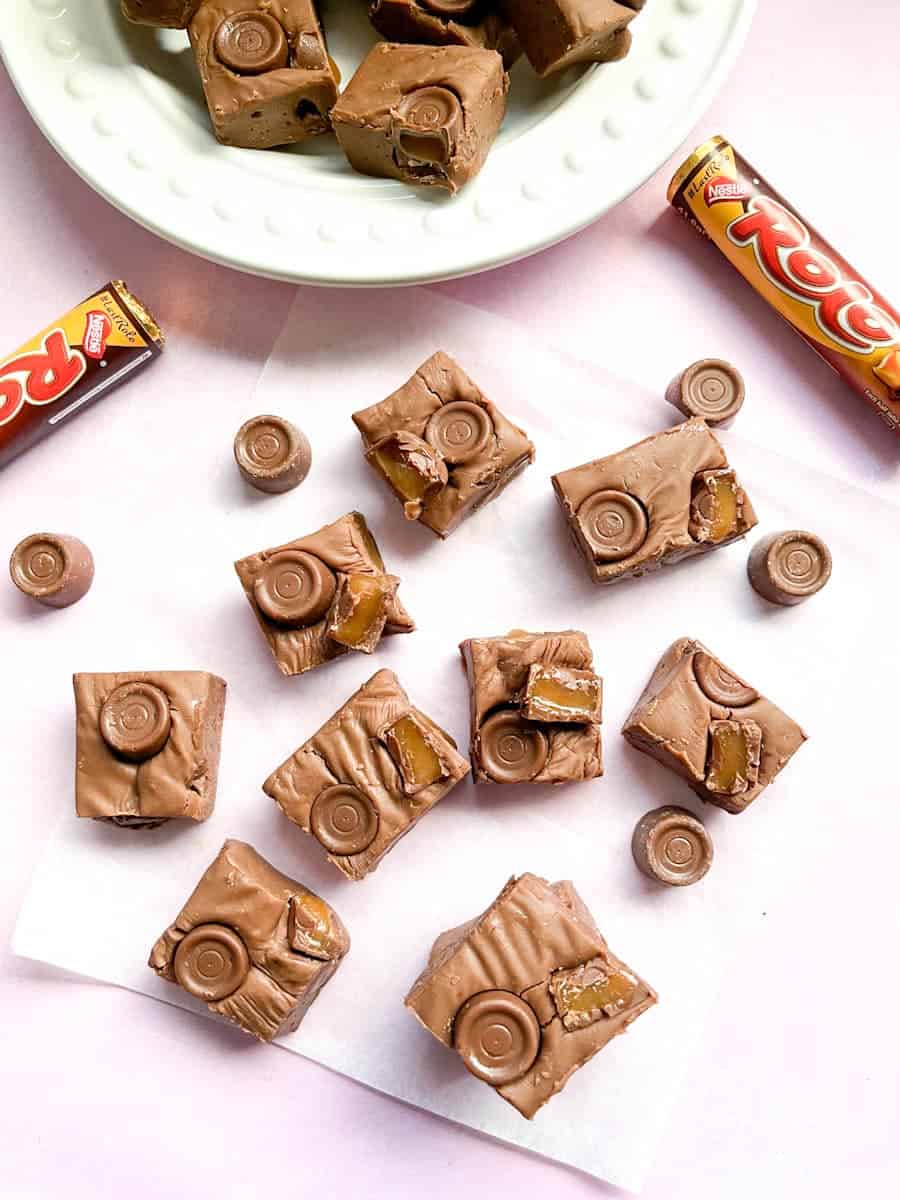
265,70
441,445
367,776
147,746
556,34
702,721
528,992
254,945
422,114
446,23
322,595
535,708
669,497
166,14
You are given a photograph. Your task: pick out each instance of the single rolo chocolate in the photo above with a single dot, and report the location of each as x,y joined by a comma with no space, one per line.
294,587
251,43
54,569
497,1036
211,962
672,846
135,720
272,454
343,820
787,568
711,389
510,749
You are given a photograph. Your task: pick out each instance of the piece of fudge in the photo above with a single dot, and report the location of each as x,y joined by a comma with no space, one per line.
535,708
702,721
528,992
440,444
323,595
367,776
422,114
265,69
254,945
669,497
147,746
556,34
446,23
165,14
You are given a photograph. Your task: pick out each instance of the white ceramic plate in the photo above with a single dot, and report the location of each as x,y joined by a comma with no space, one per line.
124,107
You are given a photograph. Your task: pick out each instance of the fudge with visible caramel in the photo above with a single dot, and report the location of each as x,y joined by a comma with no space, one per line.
252,944
367,776
528,992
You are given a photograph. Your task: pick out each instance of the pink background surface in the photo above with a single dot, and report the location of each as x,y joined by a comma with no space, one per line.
795,1093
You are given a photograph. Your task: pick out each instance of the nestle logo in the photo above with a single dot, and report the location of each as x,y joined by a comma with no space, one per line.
720,189
97,328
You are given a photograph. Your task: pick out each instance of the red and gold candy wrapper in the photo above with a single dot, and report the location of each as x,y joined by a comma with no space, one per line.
73,362
789,263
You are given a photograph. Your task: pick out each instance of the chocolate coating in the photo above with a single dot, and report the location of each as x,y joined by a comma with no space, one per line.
720,685
251,43
136,720
711,389
343,820
787,568
460,431
272,454
497,1036
426,126
294,587
511,749
614,525
671,846
52,568
211,962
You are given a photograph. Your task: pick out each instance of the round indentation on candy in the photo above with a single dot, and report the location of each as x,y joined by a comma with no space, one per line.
789,567
135,720
712,389
614,525
670,845
272,454
251,43
39,565
294,588
211,962
512,750
343,820
460,431
720,685
497,1036
426,124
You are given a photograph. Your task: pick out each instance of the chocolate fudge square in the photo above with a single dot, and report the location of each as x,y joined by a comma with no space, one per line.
702,721
556,34
367,776
147,746
669,497
265,70
535,708
165,14
255,946
323,595
440,444
422,114
528,992
446,23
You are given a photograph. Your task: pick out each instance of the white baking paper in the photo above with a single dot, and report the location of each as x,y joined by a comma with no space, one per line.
166,596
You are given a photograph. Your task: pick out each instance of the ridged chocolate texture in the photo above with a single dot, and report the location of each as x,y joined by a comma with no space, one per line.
291,587
443,408
453,139
556,34
689,692
446,23
54,569
506,745
265,70
254,945
147,746
647,506
534,960
351,787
